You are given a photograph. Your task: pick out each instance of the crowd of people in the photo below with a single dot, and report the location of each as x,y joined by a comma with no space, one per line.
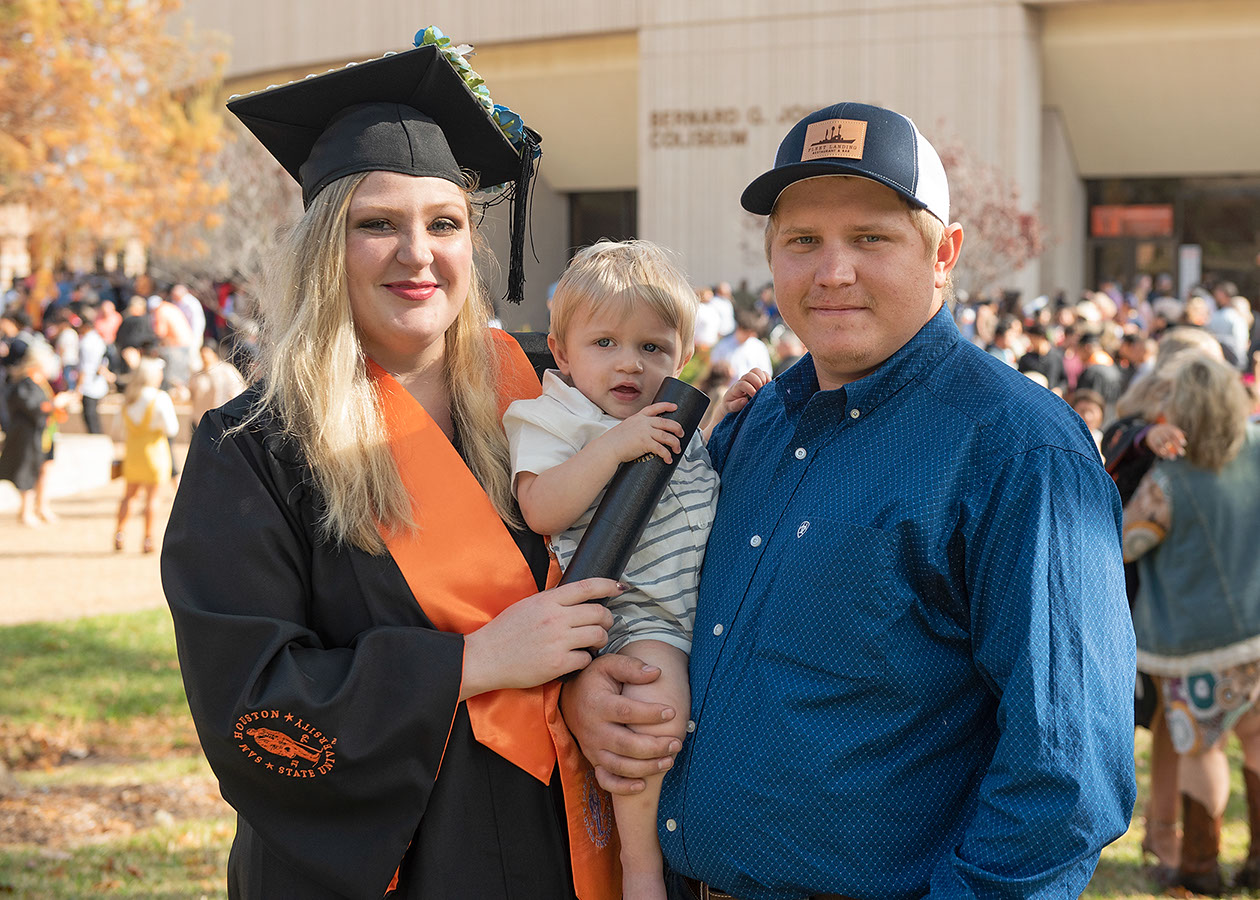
903,630
68,343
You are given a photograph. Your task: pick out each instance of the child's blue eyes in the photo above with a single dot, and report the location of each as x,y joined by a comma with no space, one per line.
649,347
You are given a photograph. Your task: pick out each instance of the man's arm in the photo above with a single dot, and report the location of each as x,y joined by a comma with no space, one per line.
1052,638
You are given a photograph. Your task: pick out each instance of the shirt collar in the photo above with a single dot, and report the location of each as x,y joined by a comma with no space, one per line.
798,384
561,389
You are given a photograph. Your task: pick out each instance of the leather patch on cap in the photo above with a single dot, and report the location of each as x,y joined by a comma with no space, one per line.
834,139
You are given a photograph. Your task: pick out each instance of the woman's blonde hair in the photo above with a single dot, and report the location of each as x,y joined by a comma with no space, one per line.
147,374
315,380
1209,403
623,274
1146,397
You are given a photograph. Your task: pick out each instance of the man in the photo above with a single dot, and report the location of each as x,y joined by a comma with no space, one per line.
1100,372
1007,339
1136,357
1043,357
724,303
93,378
912,668
195,313
743,349
708,321
175,336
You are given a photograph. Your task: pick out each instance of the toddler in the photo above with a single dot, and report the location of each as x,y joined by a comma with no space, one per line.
622,319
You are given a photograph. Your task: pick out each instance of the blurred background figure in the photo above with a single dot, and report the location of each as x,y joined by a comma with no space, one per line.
1191,526
1090,406
28,445
149,423
743,349
216,383
93,377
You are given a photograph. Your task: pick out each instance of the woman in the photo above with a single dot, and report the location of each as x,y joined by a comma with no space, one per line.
1191,527
1130,446
149,422
369,656
28,444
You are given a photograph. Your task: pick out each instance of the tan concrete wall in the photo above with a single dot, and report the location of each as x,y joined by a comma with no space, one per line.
687,100
277,35
1166,88
718,94
1063,210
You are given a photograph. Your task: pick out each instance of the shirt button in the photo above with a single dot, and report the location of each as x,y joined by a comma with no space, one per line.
718,629
853,414
756,540
691,725
800,453
671,825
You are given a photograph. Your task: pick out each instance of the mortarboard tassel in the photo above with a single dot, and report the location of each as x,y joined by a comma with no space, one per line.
520,218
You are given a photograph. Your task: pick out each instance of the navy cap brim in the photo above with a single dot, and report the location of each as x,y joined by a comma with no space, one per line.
763,192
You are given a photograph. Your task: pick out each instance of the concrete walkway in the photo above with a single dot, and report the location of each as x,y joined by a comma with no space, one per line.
70,569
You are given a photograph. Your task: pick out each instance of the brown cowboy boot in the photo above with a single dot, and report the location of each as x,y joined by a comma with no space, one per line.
1249,875
1200,847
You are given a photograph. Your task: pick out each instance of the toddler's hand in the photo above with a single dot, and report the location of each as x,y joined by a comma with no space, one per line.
646,432
739,393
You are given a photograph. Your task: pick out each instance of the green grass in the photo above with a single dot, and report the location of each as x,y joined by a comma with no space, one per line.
104,668
118,674
181,862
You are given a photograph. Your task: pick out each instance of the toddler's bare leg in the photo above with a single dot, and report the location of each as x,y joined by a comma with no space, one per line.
643,876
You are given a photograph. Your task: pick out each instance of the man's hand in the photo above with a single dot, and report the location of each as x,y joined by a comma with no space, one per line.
601,720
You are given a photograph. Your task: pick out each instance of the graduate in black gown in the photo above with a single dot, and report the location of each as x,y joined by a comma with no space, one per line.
367,644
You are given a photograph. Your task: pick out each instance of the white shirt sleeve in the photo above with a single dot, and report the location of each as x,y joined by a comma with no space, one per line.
534,438
164,409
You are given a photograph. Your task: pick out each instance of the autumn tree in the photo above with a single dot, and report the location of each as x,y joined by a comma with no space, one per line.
259,199
1001,235
108,118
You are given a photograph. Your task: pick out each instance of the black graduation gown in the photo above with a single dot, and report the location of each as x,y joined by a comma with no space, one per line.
23,442
323,697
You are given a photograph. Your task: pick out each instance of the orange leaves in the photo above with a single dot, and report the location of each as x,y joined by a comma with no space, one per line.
105,116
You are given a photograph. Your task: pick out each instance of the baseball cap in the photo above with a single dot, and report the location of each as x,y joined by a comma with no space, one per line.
855,139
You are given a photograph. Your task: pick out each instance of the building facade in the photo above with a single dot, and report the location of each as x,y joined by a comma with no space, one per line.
1131,126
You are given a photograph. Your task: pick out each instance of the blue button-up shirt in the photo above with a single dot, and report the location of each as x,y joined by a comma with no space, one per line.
913,662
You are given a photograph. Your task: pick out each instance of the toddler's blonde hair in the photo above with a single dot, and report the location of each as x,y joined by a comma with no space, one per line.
622,274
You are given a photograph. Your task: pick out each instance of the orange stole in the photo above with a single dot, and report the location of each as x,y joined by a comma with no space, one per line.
464,568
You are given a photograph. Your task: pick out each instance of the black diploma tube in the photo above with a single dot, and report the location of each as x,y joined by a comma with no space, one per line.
633,493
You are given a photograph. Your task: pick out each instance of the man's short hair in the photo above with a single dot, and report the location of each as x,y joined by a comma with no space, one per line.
624,274
751,320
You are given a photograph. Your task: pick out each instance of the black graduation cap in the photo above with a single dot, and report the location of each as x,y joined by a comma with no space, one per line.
408,112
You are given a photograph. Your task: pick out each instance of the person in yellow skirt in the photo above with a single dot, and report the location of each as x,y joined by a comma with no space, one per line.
148,422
